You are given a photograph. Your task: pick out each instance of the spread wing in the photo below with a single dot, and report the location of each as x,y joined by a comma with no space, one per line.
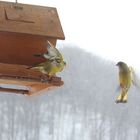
53,53
135,77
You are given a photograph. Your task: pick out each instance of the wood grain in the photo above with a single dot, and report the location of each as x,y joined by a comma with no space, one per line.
30,19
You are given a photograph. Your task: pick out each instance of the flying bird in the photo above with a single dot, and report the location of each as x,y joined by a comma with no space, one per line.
125,80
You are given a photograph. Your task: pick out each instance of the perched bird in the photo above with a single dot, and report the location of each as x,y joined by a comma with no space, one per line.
51,54
54,61
50,67
125,79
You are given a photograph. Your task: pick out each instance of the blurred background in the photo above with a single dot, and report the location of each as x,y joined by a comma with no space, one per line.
98,35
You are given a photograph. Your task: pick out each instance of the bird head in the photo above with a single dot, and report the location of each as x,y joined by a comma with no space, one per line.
120,63
60,65
122,66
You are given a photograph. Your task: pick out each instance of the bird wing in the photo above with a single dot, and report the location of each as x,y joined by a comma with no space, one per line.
53,53
135,77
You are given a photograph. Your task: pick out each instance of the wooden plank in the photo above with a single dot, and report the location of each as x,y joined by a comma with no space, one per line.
18,91
20,49
31,87
18,14
13,76
20,71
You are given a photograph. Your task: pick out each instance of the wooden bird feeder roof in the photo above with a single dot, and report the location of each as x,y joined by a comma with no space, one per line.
24,31
30,19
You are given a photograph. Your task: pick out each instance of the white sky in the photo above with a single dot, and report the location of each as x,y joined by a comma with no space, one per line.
109,28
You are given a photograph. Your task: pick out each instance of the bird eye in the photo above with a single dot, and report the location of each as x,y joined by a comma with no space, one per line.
58,61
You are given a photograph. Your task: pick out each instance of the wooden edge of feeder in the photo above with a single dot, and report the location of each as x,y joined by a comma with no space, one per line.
29,87
19,79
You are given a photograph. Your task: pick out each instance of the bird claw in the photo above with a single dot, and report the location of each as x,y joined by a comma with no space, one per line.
49,78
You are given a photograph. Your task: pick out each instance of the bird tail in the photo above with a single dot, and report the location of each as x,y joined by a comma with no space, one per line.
135,78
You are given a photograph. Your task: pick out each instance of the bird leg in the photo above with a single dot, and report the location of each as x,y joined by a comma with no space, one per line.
125,98
46,79
124,93
122,97
119,99
49,77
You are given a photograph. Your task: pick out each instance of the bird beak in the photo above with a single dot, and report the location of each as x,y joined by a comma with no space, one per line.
65,63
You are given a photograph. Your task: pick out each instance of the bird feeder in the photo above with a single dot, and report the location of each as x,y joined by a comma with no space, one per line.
24,31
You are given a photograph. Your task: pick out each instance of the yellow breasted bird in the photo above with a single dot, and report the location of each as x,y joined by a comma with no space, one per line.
54,61
50,67
125,79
